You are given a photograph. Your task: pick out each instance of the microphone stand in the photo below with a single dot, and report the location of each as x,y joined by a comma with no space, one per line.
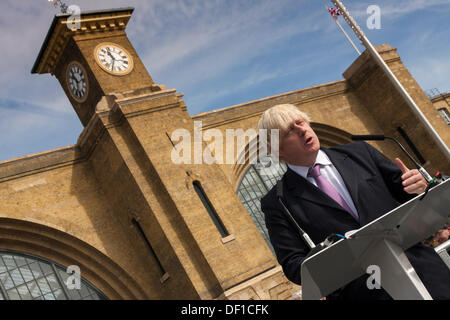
421,169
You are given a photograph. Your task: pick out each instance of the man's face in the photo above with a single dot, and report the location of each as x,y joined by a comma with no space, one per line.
299,145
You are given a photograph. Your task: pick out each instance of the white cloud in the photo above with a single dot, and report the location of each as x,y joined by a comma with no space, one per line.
404,7
394,9
211,43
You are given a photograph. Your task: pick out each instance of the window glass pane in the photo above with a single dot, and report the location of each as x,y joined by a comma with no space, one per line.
2,266
26,273
83,290
24,292
59,294
43,285
34,289
53,282
63,274
35,270
24,277
20,261
9,262
17,277
49,296
445,115
74,294
47,269
13,294
7,281
255,183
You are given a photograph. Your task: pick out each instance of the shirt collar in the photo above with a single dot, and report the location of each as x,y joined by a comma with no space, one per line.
321,159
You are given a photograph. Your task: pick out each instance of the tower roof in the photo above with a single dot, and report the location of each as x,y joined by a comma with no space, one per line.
59,33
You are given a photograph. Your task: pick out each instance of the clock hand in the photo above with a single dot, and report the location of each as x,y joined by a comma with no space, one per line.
74,83
112,57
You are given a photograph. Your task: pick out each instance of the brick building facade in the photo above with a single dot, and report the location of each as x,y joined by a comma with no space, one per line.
142,227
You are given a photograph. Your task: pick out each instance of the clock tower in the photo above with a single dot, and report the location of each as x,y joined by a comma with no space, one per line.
94,60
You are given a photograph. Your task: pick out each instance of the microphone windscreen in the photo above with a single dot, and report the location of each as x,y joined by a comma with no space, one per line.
367,137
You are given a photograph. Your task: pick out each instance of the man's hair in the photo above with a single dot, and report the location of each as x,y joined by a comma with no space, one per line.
280,117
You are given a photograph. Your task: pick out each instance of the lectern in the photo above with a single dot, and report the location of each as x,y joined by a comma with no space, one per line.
380,243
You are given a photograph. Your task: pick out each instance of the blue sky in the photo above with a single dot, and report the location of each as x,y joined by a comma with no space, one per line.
217,52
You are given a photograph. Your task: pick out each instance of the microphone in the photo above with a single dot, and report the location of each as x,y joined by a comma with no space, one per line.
421,169
303,234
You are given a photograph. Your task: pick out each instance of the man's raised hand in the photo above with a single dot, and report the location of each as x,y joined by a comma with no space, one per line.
413,181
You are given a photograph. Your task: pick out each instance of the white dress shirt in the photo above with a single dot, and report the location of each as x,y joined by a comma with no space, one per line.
328,171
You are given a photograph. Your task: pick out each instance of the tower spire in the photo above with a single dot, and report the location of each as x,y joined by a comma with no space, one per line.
61,4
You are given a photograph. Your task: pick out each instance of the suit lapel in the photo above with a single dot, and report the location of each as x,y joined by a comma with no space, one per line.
302,188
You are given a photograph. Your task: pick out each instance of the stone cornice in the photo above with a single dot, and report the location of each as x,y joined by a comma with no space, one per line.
441,97
39,162
91,22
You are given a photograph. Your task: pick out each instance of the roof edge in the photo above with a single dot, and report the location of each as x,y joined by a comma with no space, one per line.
63,15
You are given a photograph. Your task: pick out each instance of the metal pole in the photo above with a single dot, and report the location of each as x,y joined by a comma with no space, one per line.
343,31
360,34
348,38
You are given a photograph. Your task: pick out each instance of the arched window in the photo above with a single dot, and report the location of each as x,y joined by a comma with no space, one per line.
27,277
255,183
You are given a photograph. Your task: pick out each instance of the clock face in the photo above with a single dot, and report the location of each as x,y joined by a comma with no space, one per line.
113,59
77,81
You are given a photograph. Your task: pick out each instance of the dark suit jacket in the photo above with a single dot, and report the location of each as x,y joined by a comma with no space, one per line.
374,184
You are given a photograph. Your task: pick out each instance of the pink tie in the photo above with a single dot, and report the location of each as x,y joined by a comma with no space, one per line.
329,189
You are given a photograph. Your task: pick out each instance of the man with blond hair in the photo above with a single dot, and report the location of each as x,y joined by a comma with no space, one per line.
336,190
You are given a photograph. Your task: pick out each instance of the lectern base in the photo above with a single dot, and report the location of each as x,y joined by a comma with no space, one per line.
397,275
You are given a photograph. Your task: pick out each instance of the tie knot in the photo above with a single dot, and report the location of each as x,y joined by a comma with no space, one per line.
314,171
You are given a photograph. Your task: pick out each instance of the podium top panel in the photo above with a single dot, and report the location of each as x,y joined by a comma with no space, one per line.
412,221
